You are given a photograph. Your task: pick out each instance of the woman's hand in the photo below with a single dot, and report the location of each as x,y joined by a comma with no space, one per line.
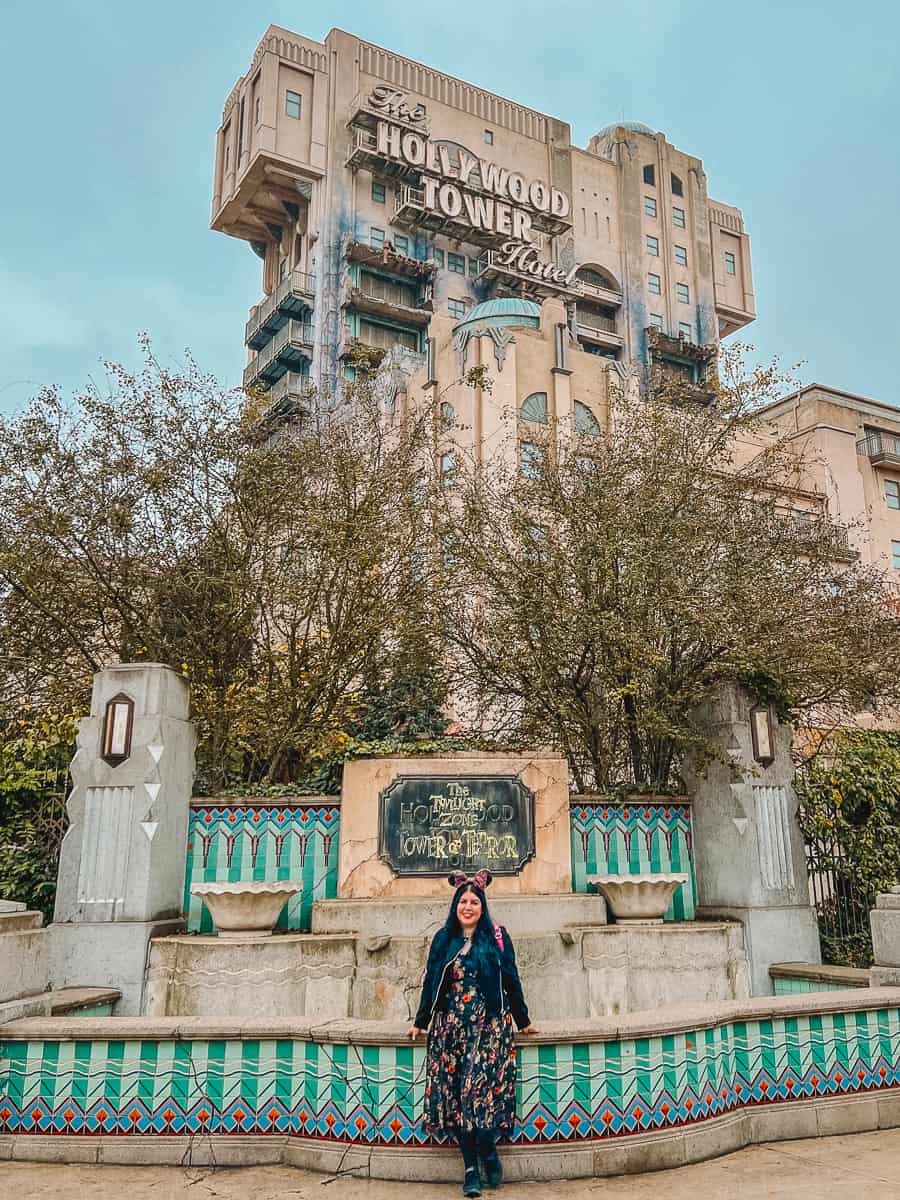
530,1029
412,1033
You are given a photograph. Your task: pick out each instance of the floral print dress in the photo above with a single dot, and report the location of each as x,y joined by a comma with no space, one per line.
471,1062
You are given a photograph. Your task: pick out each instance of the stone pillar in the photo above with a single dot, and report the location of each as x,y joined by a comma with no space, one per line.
884,920
749,855
121,869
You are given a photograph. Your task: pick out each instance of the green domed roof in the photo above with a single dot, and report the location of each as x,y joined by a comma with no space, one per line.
511,310
631,126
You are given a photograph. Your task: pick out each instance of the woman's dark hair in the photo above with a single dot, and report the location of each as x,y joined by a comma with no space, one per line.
484,941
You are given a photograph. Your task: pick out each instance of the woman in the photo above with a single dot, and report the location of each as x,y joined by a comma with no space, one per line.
470,996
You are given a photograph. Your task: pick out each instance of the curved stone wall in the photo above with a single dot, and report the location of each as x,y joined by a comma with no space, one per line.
595,1097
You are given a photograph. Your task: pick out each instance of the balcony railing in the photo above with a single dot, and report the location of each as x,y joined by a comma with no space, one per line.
293,296
605,295
290,347
880,447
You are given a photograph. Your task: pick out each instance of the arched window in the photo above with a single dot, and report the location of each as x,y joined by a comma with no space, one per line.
534,408
598,277
677,186
585,421
448,468
448,413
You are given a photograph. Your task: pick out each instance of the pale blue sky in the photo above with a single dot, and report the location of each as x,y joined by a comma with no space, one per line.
111,108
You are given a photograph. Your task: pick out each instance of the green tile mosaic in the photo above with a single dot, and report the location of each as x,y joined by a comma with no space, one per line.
634,838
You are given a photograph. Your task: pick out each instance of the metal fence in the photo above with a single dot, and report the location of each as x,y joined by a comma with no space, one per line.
841,899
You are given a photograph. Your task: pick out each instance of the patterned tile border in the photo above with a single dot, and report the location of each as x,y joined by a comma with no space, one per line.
570,1091
256,840
228,843
634,838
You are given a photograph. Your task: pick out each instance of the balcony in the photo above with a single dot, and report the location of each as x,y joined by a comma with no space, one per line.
604,295
387,258
596,327
294,296
881,448
291,347
393,301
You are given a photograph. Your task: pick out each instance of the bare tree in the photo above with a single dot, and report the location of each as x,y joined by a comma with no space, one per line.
597,599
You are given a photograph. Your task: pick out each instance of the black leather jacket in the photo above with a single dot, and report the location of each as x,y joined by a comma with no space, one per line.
498,983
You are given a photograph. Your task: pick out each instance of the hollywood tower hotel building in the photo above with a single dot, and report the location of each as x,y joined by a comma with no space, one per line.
398,208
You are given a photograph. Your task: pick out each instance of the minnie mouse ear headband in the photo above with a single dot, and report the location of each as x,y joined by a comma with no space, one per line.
481,878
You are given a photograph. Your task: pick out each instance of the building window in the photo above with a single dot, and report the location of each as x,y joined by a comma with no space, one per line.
534,408
656,320
653,246
448,412
227,158
677,187
379,193
489,137
457,263
892,493
895,555
474,266
401,243
258,109
649,206
531,461
391,291
653,285
292,103
585,421
456,308
686,330
678,217
448,468
282,269
730,264
438,256
682,292
681,255
376,238
650,174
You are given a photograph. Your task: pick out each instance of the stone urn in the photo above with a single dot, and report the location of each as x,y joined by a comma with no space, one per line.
638,899
244,912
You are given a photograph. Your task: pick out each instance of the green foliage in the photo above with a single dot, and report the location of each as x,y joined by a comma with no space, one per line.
850,815
34,759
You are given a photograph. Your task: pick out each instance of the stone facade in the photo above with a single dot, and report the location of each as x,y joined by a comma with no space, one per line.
630,259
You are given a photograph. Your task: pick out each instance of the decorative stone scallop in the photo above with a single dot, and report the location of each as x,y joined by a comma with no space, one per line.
245,911
638,899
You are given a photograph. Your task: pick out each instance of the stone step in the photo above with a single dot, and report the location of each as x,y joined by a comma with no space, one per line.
71,1001
19,920
411,917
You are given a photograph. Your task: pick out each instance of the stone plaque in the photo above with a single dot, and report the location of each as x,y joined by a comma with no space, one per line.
432,824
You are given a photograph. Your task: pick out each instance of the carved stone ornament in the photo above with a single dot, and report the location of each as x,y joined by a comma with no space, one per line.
499,335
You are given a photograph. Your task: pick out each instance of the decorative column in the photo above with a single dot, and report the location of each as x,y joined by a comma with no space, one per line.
121,869
749,856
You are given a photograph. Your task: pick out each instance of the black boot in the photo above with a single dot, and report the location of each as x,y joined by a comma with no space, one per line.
490,1159
469,1146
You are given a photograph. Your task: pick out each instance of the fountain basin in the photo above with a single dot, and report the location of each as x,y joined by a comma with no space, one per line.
638,899
246,911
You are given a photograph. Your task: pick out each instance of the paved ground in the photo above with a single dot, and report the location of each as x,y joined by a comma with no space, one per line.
864,1165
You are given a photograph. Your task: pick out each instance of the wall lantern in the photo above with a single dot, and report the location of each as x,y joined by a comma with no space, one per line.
762,730
118,721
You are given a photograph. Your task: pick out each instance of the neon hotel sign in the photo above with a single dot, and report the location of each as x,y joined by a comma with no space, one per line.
502,204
